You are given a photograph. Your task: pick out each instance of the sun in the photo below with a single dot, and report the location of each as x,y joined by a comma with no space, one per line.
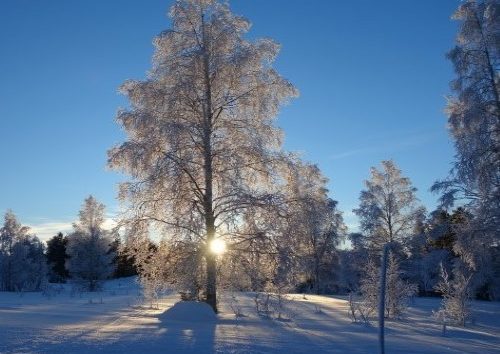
217,246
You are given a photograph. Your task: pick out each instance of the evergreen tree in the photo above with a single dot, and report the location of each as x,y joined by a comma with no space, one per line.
124,262
56,258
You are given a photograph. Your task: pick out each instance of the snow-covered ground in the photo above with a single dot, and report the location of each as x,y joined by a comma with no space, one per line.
83,323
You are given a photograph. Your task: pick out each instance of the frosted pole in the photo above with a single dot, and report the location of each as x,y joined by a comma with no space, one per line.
381,306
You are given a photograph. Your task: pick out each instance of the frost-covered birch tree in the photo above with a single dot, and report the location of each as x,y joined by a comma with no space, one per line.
474,114
201,143
474,123
11,231
389,213
290,244
315,226
90,259
388,207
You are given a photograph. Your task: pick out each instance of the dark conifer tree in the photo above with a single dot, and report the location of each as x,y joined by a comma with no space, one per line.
56,258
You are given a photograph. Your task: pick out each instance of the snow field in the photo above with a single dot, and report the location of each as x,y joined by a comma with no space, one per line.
83,323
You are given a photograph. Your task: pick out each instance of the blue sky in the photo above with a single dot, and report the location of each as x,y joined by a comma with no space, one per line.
372,75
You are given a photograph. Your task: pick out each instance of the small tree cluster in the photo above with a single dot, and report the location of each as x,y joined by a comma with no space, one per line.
22,259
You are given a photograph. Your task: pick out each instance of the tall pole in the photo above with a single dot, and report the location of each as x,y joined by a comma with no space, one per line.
381,305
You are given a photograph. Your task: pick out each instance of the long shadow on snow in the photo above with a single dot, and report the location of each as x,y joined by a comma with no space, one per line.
188,327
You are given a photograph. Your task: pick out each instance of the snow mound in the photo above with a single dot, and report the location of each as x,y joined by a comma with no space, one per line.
189,311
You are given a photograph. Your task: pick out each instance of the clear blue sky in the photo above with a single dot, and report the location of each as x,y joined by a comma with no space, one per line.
372,75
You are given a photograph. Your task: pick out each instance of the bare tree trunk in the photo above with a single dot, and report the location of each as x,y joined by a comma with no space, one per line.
211,288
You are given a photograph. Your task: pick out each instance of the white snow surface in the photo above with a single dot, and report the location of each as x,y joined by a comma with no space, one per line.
83,323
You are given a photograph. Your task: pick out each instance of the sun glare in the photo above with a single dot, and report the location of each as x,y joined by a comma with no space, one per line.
217,246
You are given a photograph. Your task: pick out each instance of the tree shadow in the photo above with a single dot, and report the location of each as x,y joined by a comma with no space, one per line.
188,327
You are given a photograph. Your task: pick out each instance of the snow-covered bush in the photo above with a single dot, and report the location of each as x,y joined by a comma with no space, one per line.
90,259
273,305
456,291
358,311
398,291
369,289
425,270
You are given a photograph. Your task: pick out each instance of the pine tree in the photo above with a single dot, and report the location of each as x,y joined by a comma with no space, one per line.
124,261
56,258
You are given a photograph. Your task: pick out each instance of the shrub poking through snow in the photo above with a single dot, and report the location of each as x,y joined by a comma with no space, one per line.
398,291
357,311
456,291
